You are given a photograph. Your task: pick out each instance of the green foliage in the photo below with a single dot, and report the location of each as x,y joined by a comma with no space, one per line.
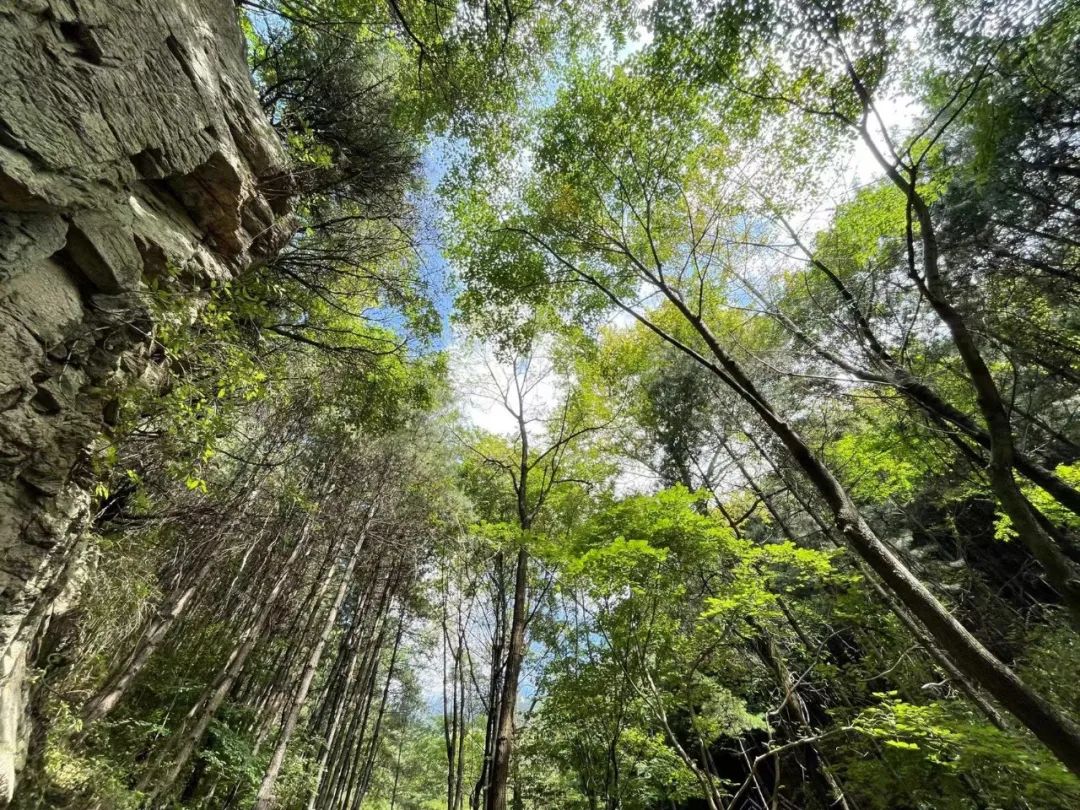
883,456
936,746
689,613
79,779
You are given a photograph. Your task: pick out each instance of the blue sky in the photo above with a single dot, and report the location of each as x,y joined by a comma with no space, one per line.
435,162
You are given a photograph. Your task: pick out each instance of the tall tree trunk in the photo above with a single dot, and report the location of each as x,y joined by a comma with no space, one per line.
915,390
929,645
204,710
1061,573
265,798
495,676
504,739
1045,720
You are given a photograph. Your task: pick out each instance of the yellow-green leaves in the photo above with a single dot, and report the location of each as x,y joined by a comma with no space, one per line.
619,565
940,740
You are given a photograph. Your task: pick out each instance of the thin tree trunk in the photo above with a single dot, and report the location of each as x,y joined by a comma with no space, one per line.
453,728
797,713
117,684
397,771
376,731
341,689
265,798
204,710
343,773
1045,720
504,740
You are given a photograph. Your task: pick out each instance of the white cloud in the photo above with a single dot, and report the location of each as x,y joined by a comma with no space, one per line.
485,386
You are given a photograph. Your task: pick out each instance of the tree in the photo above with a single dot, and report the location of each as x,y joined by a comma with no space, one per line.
533,474
616,205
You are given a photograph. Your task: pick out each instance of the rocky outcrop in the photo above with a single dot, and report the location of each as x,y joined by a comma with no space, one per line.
131,141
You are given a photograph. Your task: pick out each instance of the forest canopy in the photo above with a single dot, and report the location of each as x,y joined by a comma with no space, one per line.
659,406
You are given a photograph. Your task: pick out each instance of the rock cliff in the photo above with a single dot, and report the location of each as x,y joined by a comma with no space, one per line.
131,140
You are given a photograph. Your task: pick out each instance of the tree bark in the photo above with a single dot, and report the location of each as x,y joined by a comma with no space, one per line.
1061,573
204,710
515,654
265,798
1048,723
1045,721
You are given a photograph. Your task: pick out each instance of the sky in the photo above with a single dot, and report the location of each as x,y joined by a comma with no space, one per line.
434,164
469,361
474,371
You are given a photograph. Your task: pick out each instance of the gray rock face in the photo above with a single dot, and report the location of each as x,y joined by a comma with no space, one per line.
130,141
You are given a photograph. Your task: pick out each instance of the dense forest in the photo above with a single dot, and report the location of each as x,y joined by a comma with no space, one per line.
659,406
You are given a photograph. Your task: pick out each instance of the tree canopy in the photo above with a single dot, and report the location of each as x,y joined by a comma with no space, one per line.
659,406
